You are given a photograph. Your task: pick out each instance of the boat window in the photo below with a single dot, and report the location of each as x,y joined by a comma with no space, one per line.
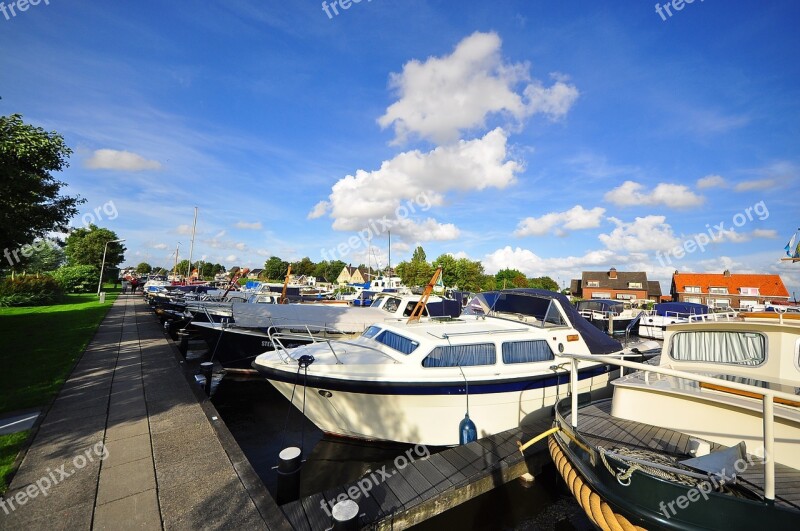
371,331
527,351
461,356
397,342
553,316
410,309
391,304
739,348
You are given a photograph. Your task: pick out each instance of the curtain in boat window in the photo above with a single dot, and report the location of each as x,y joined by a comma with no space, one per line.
461,356
527,351
397,342
740,348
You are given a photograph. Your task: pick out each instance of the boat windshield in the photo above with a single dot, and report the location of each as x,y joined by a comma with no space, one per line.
371,331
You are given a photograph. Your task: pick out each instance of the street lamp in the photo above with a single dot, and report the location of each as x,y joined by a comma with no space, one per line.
103,265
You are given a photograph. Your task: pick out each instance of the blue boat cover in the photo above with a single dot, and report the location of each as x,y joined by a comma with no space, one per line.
681,308
535,302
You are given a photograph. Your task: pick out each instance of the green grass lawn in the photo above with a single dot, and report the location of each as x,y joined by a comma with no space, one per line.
40,346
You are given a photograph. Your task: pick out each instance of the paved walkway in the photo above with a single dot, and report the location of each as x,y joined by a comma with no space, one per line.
127,445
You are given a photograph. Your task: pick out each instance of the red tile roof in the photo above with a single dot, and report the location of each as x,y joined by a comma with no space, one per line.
768,285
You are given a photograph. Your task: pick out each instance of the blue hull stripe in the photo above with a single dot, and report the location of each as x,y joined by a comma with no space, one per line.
528,383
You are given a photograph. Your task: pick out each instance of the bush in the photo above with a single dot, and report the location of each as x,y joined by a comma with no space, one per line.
77,279
30,291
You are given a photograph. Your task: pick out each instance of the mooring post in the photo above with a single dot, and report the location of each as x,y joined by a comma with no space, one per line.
206,369
345,516
290,461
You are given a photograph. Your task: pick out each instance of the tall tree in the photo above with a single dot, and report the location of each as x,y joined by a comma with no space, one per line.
303,267
48,256
144,268
275,268
510,278
30,203
543,283
85,246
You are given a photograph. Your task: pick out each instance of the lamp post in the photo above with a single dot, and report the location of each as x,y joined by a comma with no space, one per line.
103,265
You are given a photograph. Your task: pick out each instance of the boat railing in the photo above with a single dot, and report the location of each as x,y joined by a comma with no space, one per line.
713,317
315,334
768,397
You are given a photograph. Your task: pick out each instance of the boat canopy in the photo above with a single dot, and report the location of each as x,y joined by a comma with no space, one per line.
537,303
680,308
601,305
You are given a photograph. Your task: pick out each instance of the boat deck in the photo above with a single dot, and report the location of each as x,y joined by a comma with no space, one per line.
599,428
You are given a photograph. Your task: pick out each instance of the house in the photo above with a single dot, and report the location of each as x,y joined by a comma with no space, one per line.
351,275
254,274
613,284
654,291
722,290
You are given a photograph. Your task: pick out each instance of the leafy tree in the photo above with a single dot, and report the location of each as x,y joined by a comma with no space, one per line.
275,268
449,267
85,246
329,270
47,255
419,255
543,283
510,278
144,268
30,204
78,278
303,267
217,268
469,274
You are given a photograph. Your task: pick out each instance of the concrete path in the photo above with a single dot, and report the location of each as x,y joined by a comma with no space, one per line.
127,445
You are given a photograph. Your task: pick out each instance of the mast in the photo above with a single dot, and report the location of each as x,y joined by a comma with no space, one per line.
191,245
391,273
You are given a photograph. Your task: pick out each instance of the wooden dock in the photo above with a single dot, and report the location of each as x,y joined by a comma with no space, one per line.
427,487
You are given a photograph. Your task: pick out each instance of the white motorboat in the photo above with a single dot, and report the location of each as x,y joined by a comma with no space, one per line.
653,323
412,382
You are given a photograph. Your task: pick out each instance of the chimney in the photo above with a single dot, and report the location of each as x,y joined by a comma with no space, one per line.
726,273
612,273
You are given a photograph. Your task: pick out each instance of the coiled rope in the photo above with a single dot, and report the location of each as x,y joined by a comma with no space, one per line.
592,504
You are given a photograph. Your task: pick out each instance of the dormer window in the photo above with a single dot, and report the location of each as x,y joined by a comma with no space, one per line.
753,292
634,285
718,291
693,289
592,283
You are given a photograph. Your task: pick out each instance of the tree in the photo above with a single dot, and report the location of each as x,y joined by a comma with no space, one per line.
303,267
419,255
510,278
47,255
275,268
85,246
30,204
329,271
144,268
449,269
543,283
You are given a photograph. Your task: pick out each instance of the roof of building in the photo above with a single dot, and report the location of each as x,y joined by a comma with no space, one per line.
653,288
619,283
768,285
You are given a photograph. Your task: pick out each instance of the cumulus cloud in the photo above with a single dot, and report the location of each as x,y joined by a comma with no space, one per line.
442,96
160,246
765,233
631,193
248,226
111,159
532,264
649,233
711,181
576,218
759,184
407,186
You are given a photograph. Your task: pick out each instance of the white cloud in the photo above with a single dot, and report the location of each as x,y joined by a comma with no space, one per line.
711,181
160,246
442,96
231,258
575,218
631,193
649,233
408,185
760,184
111,159
248,226
184,229
319,210
532,264
765,233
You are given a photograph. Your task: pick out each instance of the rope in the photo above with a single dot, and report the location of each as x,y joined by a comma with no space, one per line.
624,476
598,511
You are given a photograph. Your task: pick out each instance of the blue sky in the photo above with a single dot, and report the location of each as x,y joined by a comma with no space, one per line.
552,137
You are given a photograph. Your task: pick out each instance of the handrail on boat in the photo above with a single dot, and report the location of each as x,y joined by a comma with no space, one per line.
767,400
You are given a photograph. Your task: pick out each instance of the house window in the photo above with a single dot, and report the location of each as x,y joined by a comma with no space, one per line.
461,356
693,289
697,300
634,285
718,291
527,351
601,295
592,283
719,303
753,292
626,296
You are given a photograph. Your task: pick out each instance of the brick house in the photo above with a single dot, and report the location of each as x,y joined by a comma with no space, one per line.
613,284
351,275
725,289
